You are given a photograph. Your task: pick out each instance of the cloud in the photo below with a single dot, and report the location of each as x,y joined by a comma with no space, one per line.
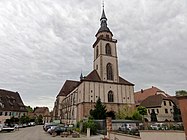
43,43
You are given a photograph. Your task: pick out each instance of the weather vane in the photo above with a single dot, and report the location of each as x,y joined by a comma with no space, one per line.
103,4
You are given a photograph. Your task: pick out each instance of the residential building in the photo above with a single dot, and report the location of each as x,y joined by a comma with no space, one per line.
161,105
141,95
11,105
44,112
77,98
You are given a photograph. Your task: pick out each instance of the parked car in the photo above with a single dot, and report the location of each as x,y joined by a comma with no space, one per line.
7,128
47,126
51,128
127,126
58,130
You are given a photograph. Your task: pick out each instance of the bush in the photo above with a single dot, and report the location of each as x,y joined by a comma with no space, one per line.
90,124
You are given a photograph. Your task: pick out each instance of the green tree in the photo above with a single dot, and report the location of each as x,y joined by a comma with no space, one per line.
142,110
40,119
29,108
90,124
99,111
111,114
24,119
136,115
181,93
125,113
176,113
153,116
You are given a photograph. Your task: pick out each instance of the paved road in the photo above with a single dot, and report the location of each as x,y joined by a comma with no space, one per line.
36,133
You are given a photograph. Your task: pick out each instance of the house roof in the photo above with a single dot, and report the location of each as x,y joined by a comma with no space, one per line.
11,101
94,77
174,99
144,93
153,101
123,81
41,110
68,86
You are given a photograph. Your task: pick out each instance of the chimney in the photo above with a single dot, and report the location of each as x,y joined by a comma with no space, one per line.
141,90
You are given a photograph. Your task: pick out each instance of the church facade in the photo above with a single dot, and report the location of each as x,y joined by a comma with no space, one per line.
77,98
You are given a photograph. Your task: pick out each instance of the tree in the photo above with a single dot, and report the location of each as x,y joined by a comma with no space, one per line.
125,113
181,93
99,111
40,119
153,116
90,124
142,110
176,114
136,115
111,114
24,119
29,108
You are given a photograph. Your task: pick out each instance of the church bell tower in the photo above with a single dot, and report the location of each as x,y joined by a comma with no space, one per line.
105,53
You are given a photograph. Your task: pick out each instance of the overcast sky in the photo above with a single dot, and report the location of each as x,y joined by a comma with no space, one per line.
45,42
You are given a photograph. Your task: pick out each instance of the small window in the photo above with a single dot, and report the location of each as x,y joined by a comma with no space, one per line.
170,104
1,113
166,111
165,103
157,110
96,67
97,52
5,113
107,36
110,96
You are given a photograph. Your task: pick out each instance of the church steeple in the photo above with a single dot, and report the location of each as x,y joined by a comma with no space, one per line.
104,27
105,53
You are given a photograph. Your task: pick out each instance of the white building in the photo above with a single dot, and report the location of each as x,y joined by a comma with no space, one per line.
76,98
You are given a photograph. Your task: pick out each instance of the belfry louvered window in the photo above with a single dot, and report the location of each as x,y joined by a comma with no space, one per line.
108,49
109,71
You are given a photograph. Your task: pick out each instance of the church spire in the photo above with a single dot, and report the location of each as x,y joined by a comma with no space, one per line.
103,16
103,21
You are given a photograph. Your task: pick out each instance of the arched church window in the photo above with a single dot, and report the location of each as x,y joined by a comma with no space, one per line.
108,49
109,71
97,52
110,96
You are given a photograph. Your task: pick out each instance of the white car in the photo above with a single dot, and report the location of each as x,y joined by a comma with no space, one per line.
1,127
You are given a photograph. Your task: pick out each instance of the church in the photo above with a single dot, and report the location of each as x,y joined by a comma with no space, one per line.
77,98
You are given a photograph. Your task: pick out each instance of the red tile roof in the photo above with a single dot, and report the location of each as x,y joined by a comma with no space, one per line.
94,76
153,101
144,93
68,86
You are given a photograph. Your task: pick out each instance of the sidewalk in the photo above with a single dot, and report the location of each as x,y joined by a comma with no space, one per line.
83,137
